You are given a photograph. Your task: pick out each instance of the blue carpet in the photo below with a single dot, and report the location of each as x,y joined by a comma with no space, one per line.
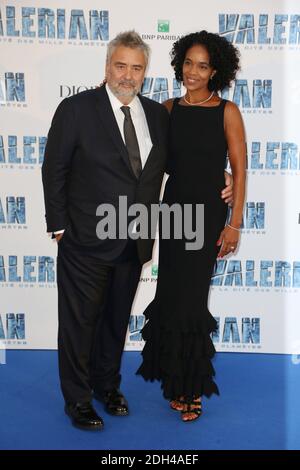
257,409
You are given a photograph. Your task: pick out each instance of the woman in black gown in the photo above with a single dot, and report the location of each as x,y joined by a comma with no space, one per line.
203,129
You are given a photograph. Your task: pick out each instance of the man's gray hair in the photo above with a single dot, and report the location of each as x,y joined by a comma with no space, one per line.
128,39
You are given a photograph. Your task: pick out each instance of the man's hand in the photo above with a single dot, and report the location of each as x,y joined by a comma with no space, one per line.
58,236
227,192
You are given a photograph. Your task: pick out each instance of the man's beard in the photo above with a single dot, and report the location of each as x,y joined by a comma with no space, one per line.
130,93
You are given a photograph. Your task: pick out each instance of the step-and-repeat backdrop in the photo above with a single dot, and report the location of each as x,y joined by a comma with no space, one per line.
53,49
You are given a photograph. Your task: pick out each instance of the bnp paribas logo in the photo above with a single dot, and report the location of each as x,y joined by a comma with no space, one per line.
163,26
154,270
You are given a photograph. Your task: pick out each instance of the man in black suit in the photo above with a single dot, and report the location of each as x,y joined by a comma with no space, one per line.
93,157
102,144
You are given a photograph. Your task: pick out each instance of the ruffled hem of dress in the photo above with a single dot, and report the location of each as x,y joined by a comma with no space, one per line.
179,356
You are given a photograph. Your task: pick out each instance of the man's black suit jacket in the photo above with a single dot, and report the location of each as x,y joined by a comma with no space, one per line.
86,164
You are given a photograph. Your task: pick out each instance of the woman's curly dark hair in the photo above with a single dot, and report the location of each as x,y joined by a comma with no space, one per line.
224,57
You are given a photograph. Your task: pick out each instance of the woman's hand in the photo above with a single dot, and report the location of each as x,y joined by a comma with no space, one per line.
228,241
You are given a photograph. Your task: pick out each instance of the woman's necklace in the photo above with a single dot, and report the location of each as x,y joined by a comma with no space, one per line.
200,102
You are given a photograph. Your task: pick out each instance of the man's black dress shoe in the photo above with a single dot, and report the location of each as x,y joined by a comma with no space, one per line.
84,416
115,402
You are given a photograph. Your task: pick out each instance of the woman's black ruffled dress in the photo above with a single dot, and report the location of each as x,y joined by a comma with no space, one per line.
178,347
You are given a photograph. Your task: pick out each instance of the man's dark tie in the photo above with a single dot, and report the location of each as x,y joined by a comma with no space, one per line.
132,142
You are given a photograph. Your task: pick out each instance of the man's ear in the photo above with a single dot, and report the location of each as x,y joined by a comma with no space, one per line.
106,70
